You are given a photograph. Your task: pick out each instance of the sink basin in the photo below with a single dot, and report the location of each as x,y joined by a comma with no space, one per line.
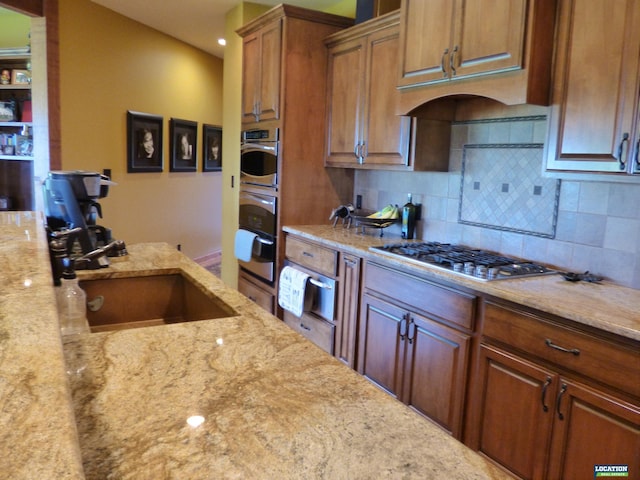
132,302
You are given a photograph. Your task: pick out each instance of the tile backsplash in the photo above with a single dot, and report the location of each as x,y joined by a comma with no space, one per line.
597,227
503,188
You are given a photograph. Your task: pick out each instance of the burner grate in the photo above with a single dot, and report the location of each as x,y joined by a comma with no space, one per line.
464,260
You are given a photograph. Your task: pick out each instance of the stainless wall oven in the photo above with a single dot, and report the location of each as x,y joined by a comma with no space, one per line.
259,158
258,215
258,211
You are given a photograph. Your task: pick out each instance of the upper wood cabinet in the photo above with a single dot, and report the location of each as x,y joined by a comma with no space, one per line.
467,37
363,130
261,51
500,49
593,123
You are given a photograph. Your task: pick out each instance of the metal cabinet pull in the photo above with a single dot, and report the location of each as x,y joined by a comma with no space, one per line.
442,67
563,389
625,139
544,394
303,326
638,156
573,351
412,331
452,61
403,327
307,254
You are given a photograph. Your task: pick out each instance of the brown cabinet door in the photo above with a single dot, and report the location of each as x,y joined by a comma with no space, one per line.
381,343
445,39
596,82
590,429
385,134
347,317
250,77
270,53
489,37
346,102
436,372
516,404
261,60
426,33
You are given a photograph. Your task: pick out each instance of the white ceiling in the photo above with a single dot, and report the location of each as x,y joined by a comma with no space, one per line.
197,22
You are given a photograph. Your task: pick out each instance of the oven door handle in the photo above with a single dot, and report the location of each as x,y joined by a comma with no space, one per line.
264,241
244,147
319,284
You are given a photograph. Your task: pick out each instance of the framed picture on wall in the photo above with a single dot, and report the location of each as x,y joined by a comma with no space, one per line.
144,142
212,148
184,139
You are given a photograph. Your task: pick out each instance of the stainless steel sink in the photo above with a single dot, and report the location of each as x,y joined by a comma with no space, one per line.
132,302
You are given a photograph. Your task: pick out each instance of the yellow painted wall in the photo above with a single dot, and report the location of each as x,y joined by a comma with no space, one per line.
110,64
235,18
14,29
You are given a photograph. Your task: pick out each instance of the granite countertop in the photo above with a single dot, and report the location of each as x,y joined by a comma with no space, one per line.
604,306
272,404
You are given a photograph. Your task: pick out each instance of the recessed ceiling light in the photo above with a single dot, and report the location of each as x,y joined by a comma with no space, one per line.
222,41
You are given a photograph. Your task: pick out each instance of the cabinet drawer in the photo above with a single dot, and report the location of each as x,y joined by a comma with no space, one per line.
315,329
614,364
256,294
317,258
442,302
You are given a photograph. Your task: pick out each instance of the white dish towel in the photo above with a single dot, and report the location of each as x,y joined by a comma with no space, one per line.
243,245
291,290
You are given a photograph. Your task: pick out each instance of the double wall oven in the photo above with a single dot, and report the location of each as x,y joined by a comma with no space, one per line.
259,151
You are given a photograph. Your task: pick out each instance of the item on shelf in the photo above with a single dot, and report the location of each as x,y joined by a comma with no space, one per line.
24,146
26,114
7,111
5,77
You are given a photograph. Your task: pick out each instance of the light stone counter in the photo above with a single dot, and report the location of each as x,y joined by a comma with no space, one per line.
273,404
604,306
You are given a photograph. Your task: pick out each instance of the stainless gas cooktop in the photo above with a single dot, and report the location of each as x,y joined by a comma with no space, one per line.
469,262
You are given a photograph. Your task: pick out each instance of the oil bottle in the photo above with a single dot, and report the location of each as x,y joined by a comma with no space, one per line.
408,219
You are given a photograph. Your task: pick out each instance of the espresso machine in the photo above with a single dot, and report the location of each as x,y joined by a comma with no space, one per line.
72,210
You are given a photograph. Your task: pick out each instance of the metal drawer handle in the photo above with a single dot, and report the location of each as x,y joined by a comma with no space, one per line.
319,284
302,325
544,394
307,254
573,351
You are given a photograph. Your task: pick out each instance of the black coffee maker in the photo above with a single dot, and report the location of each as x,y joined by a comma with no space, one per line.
72,210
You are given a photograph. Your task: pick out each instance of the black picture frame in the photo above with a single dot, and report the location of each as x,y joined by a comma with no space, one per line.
183,145
211,148
144,142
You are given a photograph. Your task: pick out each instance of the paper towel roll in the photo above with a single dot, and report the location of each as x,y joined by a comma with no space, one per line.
244,244
291,290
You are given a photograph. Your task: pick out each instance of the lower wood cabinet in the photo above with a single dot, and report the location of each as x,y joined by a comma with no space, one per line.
348,307
547,414
319,331
256,293
415,359
539,424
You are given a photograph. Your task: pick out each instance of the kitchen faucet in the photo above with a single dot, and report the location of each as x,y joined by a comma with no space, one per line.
59,249
116,248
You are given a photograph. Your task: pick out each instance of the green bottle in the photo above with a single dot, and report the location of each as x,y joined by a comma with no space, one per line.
408,219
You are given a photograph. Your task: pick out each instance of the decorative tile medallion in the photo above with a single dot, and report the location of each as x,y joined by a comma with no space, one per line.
502,188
